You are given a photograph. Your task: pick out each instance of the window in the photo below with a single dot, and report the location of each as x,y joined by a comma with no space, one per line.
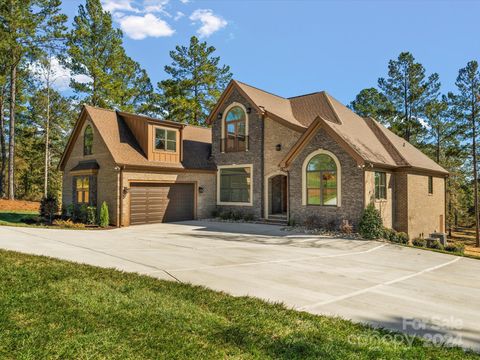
380,185
82,185
88,141
430,185
235,130
321,180
235,185
165,139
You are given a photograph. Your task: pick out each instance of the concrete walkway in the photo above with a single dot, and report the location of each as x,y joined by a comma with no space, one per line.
416,291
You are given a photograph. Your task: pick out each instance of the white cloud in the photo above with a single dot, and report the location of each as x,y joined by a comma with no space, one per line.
114,6
140,27
184,1
178,15
156,6
59,76
210,22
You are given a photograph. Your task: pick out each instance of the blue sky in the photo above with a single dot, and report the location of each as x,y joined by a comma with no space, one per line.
296,47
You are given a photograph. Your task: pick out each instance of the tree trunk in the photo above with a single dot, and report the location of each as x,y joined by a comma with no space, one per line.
3,148
475,179
11,142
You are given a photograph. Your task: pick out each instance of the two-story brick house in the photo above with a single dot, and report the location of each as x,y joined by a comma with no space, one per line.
268,156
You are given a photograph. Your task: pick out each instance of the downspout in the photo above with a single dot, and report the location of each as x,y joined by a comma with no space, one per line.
262,198
120,197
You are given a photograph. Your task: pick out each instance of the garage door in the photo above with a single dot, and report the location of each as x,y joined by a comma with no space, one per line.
154,203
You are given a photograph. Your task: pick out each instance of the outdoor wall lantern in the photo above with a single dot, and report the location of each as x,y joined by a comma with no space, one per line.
201,189
249,110
125,191
278,147
219,116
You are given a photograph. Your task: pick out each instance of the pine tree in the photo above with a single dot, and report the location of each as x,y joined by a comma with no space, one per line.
195,84
409,90
371,102
467,110
110,79
26,25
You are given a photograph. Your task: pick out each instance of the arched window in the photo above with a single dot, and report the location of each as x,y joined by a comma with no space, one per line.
321,184
235,130
88,141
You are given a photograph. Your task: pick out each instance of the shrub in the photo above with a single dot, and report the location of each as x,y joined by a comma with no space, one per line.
236,215
104,220
346,227
215,213
68,224
455,248
402,238
312,222
371,226
91,215
435,244
248,217
81,213
226,215
49,208
71,211
419,242
389,234
292,222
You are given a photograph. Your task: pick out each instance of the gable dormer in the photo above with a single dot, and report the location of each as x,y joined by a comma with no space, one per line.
160,140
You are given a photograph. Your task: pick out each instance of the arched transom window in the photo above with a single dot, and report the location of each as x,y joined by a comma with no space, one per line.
235,130
321,173
88,141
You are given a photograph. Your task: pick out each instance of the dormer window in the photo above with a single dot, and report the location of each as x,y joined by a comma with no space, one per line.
235,136
88,141
165,140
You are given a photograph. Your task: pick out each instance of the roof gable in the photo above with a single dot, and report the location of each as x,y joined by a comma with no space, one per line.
124,148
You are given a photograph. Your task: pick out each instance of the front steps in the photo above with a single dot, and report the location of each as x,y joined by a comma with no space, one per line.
277,219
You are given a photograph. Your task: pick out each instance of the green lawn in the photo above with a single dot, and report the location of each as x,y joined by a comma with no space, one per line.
18,218
59,310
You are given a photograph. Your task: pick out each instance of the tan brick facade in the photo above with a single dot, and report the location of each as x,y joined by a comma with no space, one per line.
385,206
426,212
108,180
205,201
107,176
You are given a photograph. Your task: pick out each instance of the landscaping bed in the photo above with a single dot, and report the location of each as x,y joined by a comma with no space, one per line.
60,310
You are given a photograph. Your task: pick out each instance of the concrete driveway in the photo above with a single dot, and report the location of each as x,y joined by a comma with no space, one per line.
421,292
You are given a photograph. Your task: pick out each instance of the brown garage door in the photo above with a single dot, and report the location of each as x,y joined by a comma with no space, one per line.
154,203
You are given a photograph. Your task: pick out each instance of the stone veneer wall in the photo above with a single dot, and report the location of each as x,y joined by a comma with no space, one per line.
352,183
107,177
253,156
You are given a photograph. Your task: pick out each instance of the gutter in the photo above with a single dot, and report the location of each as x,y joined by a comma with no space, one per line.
120,197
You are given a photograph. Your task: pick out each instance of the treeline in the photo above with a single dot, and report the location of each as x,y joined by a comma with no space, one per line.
36,119
444,125
38,50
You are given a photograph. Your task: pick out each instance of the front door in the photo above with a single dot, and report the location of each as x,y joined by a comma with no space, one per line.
278,195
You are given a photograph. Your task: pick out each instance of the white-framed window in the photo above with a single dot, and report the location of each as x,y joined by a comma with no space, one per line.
165,139
380,185
234,185
321,179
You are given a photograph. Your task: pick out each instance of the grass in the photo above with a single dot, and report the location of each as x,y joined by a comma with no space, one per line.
58,310
466,236
18,217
